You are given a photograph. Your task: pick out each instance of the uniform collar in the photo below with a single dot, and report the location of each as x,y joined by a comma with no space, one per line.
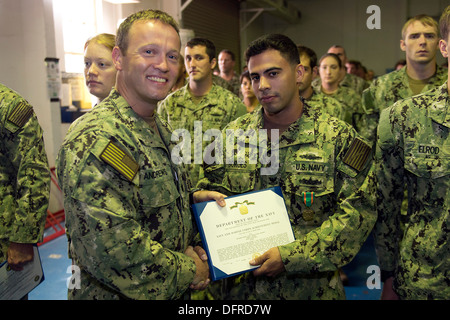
300,132
138,124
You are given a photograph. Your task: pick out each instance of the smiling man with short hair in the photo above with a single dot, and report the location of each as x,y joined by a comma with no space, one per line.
127,205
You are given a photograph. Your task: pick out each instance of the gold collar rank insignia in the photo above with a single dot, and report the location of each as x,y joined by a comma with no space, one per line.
119,160
20,115
357,154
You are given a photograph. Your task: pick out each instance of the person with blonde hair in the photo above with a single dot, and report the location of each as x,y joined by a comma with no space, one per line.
99,70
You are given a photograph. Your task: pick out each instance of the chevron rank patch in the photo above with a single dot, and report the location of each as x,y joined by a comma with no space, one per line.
120,160
20,115
357,155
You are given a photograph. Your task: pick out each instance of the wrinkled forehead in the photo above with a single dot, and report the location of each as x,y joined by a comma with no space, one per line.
153,32
420,27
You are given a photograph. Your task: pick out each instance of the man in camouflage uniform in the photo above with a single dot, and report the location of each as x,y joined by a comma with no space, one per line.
313,97
413,146
313,157
24,180
201,101
420,38
128,220
227,62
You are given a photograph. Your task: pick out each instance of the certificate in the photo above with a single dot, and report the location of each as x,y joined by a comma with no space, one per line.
14,285
249,225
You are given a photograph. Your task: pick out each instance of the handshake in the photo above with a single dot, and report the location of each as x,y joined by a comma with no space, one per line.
201,278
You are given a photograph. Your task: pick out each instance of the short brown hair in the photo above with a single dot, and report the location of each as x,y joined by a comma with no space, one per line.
279,42
144,15
424,19
444,23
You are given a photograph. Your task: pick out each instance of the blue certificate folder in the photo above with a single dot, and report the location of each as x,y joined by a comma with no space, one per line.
242,208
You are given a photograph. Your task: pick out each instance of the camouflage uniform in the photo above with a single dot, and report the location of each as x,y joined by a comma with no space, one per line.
222,82
235,84
356,83
127,206
312,157
351,105
215,110
24,173
413,146
385,91
350,81
326,104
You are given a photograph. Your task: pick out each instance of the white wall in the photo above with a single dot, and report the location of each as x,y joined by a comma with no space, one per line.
23,42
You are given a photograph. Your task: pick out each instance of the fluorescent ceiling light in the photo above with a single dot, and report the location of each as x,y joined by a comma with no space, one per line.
123,1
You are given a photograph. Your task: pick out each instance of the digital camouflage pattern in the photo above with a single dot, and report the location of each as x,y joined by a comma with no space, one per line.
385,91
311,157
127,208
413,149
350,81
351,105
235,84
326,104
215,110
222,82
24,173
355,82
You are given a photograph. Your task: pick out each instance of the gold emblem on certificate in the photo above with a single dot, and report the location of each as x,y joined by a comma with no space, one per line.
243,209
240,232
308,199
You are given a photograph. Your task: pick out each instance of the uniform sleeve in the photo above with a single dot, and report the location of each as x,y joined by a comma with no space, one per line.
107,240
28,160
339,238
370,115
389,167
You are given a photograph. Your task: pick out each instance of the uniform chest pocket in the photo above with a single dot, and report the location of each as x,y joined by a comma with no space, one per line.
427,161
241,179
428,178
158,188
309,191
428,167
212,117
309,175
